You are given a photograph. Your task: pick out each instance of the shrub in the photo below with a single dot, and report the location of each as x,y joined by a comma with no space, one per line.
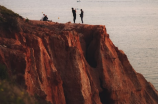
12,93
26,20
3,72
6,12
8,19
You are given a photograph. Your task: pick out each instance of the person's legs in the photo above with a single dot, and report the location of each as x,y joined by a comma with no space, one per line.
74,19
82,19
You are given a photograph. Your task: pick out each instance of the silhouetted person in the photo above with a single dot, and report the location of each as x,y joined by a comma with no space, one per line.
74,14
42,17
81,15
45,18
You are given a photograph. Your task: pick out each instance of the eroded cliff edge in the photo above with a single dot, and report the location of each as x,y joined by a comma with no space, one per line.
70,63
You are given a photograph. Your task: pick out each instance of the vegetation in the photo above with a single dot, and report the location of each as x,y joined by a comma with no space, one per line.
8,19
6,13
26,20
12,93
3,72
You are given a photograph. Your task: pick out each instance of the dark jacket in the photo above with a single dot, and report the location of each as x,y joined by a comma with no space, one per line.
81,15
45,18
74,12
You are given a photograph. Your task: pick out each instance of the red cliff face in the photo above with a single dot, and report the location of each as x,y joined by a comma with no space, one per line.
72,64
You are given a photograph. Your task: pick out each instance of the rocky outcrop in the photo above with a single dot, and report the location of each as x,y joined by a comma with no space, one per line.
72,64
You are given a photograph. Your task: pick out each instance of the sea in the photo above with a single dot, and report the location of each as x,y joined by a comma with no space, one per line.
131,24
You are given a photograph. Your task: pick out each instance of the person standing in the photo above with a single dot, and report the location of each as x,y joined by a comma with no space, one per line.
81,15
74,14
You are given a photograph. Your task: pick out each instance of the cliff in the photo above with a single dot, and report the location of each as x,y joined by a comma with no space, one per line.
70,63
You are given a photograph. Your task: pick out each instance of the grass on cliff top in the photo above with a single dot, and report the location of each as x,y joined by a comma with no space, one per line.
9,19
6,13
12,93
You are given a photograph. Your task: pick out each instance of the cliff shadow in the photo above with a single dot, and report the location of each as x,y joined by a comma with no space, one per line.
90,44
105,95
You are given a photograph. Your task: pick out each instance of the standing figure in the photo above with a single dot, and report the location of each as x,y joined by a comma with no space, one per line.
74,14
81,15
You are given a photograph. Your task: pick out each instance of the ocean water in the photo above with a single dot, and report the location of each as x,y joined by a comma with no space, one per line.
131,24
